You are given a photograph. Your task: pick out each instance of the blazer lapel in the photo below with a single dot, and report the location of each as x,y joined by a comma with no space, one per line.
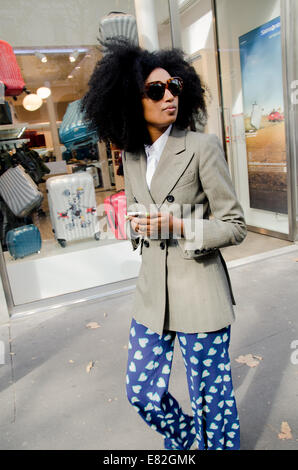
172,163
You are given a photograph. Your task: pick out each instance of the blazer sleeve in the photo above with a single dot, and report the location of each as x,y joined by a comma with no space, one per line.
227,227
130,202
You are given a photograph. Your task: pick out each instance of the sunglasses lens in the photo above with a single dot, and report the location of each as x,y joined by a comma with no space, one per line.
175,87
155,91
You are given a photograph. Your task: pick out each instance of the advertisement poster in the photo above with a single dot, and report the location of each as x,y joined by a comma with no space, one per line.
261,70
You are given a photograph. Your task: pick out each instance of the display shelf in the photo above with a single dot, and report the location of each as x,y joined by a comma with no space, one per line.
12,131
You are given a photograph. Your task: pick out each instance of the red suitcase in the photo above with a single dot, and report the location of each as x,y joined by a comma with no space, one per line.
115,208
10,73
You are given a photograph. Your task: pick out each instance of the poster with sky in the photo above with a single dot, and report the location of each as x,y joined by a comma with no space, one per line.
262,87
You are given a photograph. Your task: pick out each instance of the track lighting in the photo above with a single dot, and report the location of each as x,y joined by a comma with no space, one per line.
73,56
41,56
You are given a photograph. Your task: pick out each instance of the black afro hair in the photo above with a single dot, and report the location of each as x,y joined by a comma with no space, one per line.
113,103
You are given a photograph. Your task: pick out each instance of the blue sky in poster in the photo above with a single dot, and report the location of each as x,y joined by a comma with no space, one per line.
261,67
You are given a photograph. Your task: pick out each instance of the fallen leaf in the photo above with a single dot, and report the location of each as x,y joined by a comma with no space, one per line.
251,360
285,431
89,366
92,325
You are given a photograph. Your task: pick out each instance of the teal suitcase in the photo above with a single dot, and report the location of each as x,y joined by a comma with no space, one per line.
23,241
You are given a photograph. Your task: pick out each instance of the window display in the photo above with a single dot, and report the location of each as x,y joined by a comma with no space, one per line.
261,70
252,92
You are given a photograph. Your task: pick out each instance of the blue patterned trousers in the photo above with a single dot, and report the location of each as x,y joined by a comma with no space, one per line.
215,423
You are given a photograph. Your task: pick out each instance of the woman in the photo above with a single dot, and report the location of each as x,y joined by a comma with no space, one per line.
175,178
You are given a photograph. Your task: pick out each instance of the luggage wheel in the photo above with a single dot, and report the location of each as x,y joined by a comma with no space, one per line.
97,236
62,242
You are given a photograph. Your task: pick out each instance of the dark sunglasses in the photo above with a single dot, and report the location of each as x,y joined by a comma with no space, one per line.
156,90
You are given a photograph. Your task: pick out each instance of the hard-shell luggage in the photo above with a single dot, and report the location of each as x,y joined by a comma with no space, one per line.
19,191
5,113
9,221
74,128
115,208
94,171
10,73
72,207
23,241
117,23
96,175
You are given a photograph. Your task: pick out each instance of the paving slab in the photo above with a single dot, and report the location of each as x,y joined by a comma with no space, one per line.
63,386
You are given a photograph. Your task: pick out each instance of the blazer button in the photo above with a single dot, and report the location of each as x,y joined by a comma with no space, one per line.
146,243
162,245
170,198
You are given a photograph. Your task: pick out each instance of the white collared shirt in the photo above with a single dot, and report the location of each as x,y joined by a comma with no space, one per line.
153,153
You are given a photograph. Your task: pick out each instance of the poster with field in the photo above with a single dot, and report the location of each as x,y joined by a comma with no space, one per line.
262,87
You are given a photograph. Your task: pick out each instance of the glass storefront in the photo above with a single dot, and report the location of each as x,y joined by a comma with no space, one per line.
67,243
245,55
254,110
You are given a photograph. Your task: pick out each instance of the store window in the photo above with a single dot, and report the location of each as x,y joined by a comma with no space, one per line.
50,239
252,67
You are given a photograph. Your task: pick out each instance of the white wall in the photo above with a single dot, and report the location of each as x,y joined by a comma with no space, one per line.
55,22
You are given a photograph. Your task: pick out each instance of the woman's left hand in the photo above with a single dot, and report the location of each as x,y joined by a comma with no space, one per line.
155,225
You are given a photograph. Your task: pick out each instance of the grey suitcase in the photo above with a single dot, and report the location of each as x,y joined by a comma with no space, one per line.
72,207
19,191
117,24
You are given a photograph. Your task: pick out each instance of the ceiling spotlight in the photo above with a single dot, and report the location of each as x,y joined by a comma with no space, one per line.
41,57
43,92
73,56
70,76
32,102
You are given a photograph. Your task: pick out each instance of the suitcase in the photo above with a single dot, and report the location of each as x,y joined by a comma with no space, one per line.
72,207
23,241
116,24
93,171
5,114
74,129
19,191
115,208
10,73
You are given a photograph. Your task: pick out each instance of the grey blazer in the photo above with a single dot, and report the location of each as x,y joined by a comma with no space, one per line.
183,284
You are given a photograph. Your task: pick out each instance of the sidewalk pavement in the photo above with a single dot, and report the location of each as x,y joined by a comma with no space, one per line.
63,384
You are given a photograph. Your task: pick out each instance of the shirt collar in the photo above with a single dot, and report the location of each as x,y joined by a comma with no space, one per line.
159,144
